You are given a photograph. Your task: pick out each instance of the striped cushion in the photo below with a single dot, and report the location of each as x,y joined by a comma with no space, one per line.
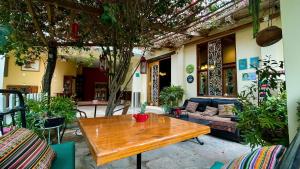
262,158
21,148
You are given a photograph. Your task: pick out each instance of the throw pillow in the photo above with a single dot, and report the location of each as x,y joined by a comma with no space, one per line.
210,111
191,107
226,109
266,157
21,148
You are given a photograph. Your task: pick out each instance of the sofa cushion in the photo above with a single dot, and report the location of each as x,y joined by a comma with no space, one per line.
21,148
203,102
216,102
210,111
226,109
191,107
266,157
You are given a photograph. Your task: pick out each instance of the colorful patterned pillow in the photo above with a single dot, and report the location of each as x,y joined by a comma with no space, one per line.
226,109
191,107
210,111
21,148
263,158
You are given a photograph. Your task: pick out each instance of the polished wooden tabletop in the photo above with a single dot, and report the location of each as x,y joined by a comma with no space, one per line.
92,103
116,137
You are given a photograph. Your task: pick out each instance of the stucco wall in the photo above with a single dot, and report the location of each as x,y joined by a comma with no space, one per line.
246,47
291,35
18,77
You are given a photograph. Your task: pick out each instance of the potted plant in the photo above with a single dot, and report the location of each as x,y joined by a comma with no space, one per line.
263,118
141,117
42,114
170,97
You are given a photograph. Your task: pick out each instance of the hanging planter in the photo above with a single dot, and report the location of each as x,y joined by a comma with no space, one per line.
269,36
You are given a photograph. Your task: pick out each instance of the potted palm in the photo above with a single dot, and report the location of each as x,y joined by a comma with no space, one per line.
170,97
42,114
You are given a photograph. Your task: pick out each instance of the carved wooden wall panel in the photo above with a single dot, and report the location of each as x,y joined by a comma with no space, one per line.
155,84
215,68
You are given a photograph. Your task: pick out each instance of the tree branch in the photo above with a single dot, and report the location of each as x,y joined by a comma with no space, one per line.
76,7
35,22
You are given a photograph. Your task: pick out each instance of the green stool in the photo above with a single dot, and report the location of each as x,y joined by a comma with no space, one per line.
217,165
65,156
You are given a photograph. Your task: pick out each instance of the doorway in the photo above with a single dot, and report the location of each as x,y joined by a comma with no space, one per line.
159,77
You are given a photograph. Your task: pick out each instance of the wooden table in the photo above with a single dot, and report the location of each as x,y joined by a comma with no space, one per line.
117,137
92,103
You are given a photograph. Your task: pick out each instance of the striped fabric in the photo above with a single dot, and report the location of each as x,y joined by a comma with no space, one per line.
262,158
22,149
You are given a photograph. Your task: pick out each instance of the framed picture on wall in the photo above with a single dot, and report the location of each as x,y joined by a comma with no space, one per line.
243,64
32,66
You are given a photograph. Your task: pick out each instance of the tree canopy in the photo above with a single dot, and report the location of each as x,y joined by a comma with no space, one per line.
117,26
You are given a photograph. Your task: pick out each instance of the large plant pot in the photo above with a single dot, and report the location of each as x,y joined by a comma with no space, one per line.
54,121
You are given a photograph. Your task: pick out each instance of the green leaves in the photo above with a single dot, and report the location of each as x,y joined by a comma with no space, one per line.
5,31
170,96
254,12
264,121
109,14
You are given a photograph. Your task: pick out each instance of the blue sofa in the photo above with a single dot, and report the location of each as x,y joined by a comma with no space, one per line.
224,127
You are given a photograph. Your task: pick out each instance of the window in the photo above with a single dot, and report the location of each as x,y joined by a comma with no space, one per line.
216,66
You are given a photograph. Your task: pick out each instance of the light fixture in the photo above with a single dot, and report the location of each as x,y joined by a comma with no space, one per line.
162,73
143,65
212,67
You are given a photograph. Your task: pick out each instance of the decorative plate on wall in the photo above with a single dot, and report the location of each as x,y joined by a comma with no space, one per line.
190,68
190,79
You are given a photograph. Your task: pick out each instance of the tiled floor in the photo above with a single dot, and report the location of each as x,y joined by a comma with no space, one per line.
183,155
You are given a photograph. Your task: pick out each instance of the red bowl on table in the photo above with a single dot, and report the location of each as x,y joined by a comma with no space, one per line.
141,117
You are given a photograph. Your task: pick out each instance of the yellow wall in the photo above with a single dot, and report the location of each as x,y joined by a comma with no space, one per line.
18,77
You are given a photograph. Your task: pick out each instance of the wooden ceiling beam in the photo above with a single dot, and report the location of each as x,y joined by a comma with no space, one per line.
75,6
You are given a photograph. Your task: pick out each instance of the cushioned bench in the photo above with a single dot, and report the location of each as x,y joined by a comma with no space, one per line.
290,159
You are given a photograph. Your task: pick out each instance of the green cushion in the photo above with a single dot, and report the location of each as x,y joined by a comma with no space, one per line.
217,165
65,156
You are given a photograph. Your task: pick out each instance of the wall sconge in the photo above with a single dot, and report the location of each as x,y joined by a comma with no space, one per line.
212,67
143,65
162,73
203,67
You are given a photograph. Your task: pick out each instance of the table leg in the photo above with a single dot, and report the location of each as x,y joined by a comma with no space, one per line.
139,161
95,111
58,135
49,139
200,142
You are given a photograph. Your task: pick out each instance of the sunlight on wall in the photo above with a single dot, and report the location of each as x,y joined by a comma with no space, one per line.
290,24
18,77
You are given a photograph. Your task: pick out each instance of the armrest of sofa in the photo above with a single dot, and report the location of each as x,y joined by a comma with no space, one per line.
234,118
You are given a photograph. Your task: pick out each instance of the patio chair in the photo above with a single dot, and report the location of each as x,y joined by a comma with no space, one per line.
65,153
125,108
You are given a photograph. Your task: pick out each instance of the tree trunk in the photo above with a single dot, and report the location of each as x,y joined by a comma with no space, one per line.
51,63
117,80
